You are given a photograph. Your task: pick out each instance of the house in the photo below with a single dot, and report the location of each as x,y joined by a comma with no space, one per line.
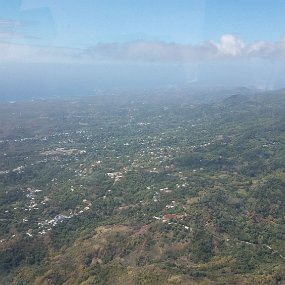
168,217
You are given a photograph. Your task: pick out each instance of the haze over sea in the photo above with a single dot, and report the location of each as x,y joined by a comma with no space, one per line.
71,48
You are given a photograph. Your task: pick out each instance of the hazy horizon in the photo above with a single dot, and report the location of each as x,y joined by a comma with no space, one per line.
68,48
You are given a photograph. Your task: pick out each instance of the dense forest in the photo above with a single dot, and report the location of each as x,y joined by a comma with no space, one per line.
143,189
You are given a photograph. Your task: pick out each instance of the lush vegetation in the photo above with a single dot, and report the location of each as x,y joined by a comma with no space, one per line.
149,189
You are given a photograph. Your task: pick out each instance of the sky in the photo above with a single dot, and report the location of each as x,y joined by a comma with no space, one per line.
89,45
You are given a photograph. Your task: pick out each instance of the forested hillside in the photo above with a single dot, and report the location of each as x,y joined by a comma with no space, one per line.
153,189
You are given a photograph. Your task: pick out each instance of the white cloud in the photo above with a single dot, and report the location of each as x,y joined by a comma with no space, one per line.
10,52
263,49
150,52
229,46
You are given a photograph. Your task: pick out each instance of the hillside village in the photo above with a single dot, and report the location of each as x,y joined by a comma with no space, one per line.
175,191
